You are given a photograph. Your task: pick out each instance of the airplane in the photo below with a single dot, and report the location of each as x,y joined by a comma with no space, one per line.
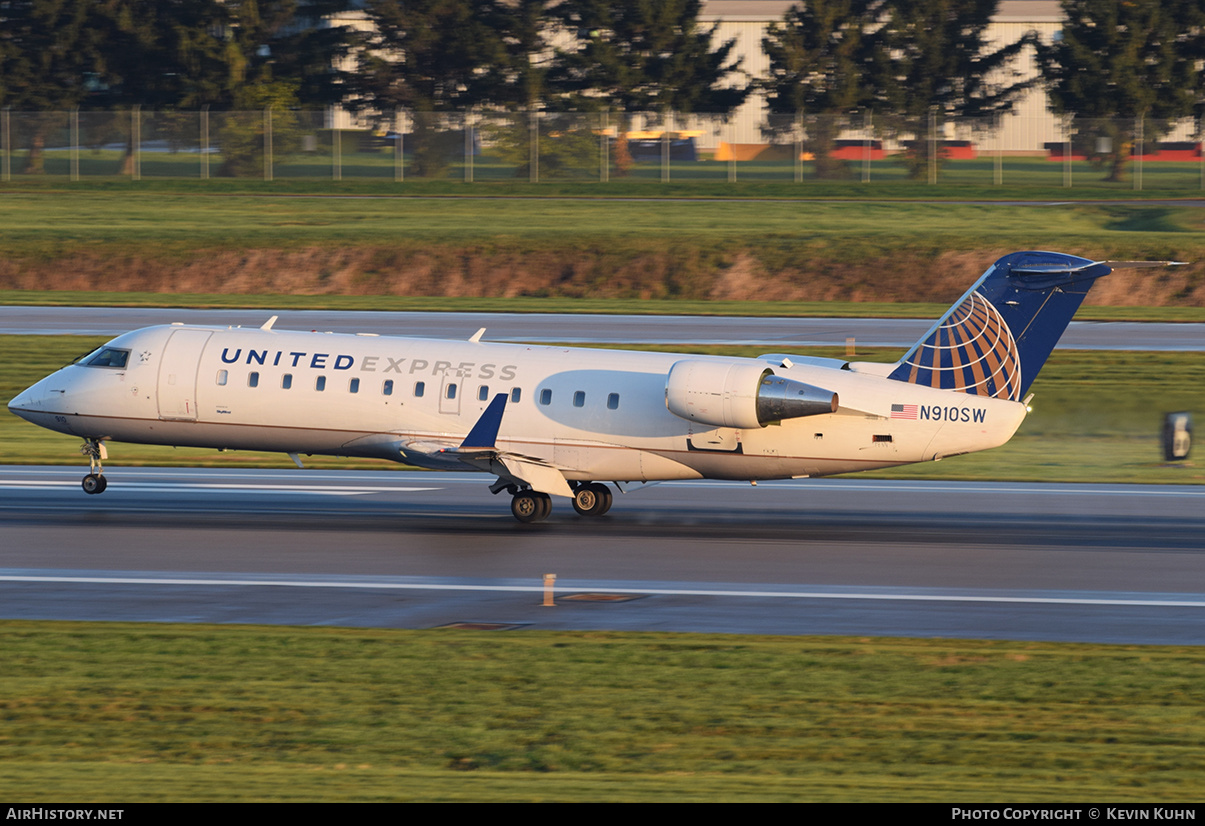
554,421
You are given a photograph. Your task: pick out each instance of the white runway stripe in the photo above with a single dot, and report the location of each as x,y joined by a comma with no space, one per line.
564,589
202,487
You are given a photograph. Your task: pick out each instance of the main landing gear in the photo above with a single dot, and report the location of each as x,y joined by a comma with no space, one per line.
95,481
531,506
593,499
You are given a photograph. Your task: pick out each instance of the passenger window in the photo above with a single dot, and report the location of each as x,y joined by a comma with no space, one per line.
483,392
222,378
320,383
515,395
387,388
450,392
545,396
419,389
579,398
253,379
353,386
613,401
286,381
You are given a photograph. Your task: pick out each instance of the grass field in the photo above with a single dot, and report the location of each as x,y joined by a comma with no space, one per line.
127,713
886,177
773,251
45,222
778,252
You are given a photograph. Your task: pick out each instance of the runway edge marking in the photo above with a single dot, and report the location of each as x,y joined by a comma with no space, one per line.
567,587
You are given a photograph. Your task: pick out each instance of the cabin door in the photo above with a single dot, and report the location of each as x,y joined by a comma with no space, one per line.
178,374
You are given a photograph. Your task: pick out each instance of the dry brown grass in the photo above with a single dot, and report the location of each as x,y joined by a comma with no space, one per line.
448,271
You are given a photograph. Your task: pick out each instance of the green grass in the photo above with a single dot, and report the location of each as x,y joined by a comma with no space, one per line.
221,239
47,222
1021,177
128,713
661,250
1097,417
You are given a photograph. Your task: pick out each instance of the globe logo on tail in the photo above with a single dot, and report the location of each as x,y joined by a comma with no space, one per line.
971,351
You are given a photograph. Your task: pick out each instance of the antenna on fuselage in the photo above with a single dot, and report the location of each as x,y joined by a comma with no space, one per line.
267,325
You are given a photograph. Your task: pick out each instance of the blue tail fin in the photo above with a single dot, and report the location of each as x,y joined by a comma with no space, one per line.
996,338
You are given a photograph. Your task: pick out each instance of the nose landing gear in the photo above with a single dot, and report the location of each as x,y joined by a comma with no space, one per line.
95,481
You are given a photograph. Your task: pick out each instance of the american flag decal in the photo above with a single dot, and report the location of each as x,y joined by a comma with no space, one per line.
903,411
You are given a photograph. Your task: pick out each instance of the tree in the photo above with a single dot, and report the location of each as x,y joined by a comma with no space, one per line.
1123,61
432,57
238,54
191,53
817,56
243,134
305,46
643,55
523,26
428,55
930,59
162,55
50,59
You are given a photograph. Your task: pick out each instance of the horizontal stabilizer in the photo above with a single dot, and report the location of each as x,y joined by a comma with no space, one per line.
1119,265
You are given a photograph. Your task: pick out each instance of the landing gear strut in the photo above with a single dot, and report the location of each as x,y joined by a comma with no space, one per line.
95,481
593,499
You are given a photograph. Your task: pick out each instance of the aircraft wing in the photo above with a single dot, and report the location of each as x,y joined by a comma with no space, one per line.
479,450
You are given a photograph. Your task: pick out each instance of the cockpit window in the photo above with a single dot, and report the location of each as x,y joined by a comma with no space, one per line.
109,357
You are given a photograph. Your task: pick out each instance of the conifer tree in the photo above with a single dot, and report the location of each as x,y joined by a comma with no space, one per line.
817,58
1121,62
931,60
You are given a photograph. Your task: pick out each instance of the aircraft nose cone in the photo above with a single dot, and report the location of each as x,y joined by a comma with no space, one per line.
23,403
41,405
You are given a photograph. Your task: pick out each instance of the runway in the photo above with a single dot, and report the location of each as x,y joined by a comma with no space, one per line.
771,333
1091,563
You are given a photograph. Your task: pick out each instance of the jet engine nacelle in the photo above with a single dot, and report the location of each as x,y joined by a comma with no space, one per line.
727,394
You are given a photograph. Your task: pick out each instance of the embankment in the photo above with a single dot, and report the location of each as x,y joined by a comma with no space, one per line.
670,271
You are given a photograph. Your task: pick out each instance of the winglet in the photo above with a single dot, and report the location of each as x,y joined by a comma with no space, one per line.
476,337
267,325
485,433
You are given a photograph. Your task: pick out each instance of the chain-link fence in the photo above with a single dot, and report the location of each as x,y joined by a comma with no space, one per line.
480,146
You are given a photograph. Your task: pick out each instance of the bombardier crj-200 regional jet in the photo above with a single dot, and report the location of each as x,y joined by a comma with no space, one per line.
551,421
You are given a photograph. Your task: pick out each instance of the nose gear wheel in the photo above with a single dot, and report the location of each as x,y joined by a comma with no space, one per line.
95,481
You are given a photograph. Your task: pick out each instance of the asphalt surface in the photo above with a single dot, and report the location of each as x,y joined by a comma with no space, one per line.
772,333
1092,563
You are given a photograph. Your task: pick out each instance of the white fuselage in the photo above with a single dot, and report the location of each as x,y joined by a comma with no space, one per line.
593,414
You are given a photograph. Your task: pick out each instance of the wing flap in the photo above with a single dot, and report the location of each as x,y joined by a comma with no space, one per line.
541,477
479,450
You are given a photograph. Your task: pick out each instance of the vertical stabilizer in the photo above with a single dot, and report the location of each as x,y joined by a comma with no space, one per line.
996,338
